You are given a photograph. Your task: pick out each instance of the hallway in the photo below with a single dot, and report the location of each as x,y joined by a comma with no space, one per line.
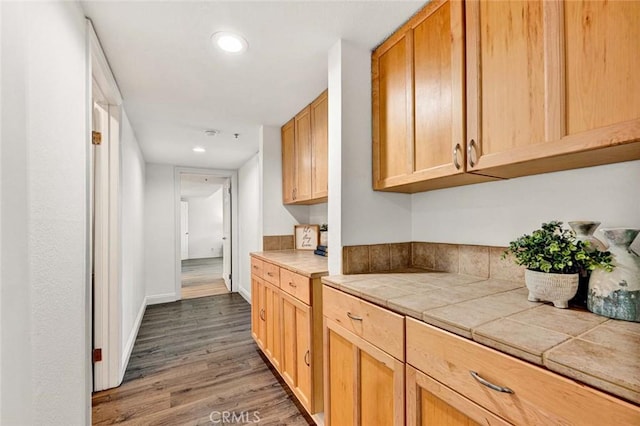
194,358
202,277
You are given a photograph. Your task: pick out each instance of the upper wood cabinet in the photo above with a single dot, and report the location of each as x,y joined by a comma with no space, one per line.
288,161
418,88
547,86
304,155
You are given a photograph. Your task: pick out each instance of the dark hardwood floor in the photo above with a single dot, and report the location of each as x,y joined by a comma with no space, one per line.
193,358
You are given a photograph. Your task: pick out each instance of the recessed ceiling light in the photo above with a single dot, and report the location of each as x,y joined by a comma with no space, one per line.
229,42
212,132
199,149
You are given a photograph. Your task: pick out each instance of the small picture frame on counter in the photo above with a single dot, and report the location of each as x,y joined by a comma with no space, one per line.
306,236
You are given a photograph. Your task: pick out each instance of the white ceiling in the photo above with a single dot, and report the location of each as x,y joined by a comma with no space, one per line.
196,186
175,84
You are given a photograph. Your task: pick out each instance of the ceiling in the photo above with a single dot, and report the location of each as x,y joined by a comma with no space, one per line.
198,186
175,84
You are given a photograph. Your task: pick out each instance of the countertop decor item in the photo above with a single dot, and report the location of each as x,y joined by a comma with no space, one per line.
554,258
584,230
617,294
306,236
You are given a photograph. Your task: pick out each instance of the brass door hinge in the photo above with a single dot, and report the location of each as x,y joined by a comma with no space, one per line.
96,137
97,355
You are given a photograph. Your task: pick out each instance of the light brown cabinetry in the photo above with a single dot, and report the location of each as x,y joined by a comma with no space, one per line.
547,88
418,103
286,323
564,102
483,383
364,385
305,155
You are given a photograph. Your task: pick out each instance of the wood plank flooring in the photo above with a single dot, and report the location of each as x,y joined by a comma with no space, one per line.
202,277
192,358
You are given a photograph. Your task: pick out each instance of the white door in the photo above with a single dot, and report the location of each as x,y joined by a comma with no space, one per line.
184,230
226,234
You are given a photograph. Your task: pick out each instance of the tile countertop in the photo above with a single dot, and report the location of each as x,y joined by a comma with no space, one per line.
601,352
302,262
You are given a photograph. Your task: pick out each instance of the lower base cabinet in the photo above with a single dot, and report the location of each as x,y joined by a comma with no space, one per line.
364,384
286,323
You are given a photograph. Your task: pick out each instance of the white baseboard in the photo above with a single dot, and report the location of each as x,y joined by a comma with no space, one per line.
161,298
126,354
245,294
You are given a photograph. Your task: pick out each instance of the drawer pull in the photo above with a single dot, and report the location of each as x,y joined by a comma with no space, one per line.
354,317
255,266
292,284
270,274
262,314
489,384
306,358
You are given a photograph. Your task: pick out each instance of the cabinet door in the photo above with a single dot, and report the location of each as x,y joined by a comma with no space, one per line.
258,315
288,162
505,80
438,64
320,145
392,95
302,191
273,348
296,349
431,403
363,384
601,63
548,85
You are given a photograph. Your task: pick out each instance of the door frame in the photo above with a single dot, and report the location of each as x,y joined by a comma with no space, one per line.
105,330
232,175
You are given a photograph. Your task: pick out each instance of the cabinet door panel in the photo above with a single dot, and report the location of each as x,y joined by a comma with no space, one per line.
377,391
258,311
367,385
303,155
341,387
320,143
272,312
303,349
393,114
289,343
288,162
439,88
602,63
512,95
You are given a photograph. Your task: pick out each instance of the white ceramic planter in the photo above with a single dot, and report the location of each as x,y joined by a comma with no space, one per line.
556,288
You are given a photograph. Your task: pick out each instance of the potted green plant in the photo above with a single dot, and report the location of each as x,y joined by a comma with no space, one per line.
554,258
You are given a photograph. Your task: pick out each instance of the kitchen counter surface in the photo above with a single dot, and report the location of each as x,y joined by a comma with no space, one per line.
302,262
575,343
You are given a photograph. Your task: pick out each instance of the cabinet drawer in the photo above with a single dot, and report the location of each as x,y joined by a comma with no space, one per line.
271,273
539,396
296,285
377,325
257,267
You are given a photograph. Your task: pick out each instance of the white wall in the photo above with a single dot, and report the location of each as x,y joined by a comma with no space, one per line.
45,360
356,213
495,213
159,232
250,219
278,218
132,238
318,213
205,226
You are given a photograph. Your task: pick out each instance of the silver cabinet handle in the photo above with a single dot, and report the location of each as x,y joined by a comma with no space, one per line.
354,317
455,156
292,284
470,149
306,358
489,384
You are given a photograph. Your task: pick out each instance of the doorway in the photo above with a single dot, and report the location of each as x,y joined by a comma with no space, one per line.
205,255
